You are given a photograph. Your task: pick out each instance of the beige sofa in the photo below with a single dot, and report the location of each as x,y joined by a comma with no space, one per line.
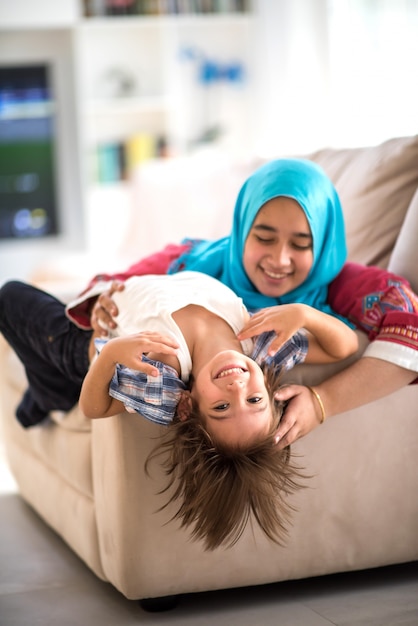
360,510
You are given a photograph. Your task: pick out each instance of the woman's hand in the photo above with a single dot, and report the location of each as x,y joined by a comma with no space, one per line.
302,414
284,319
105,310
128,350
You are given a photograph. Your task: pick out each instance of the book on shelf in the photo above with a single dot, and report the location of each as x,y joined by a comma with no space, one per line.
110,163
139,148
116,160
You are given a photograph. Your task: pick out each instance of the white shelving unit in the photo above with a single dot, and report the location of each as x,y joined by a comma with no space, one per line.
144,74
121,77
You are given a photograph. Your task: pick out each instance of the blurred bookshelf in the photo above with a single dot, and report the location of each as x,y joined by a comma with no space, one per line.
158,79
112,8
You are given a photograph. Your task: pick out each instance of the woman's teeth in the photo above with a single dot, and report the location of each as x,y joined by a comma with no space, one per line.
275,276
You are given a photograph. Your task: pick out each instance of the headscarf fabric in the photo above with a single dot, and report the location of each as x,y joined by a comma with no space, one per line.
305,182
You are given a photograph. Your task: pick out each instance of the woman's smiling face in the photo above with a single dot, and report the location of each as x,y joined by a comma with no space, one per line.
278,252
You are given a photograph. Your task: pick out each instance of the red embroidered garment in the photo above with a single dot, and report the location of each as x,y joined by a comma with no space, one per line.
378,302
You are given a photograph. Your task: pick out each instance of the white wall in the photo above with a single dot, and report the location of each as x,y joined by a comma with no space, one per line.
335,72
290,103
38,13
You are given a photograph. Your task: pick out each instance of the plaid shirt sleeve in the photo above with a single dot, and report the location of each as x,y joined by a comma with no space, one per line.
291,353
154,397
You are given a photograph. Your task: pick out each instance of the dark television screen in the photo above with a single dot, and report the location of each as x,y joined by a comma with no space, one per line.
28,207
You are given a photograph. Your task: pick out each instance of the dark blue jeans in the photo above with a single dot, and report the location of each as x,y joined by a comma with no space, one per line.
52,349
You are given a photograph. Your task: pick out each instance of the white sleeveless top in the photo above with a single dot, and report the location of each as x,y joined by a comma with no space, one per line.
147,303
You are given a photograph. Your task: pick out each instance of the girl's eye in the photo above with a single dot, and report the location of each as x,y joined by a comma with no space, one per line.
255,400
222,407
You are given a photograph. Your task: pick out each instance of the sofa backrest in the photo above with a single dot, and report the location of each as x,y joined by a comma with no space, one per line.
404,258
195,197
376,186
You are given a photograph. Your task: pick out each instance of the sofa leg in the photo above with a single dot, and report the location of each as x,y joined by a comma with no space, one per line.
157,605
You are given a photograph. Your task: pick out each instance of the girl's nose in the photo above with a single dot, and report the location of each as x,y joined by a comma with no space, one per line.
235,384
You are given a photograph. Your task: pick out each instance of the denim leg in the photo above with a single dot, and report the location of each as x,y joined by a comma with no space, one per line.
53,350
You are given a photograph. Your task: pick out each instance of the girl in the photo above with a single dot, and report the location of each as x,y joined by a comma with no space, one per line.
223,425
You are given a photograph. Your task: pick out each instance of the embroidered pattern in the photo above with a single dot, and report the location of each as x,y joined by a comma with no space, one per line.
398,297
407,335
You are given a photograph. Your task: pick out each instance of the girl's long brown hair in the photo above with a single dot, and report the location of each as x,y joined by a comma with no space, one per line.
220,488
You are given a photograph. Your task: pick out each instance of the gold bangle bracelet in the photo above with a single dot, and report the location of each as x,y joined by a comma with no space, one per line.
321,404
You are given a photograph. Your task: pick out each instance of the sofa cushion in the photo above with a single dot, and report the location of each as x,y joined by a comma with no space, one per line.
191,196
404,259
376,185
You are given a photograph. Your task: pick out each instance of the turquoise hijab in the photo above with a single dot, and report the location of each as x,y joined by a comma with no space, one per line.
305,182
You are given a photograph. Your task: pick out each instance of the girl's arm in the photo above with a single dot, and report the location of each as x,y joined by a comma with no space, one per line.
95,400
330,339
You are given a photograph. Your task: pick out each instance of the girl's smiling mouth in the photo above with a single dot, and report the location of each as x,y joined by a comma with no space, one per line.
231,370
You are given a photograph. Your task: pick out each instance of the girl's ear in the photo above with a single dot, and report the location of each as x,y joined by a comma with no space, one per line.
184,407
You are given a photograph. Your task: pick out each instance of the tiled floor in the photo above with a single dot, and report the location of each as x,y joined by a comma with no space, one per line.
43,582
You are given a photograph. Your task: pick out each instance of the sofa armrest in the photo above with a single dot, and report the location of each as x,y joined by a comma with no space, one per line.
355,471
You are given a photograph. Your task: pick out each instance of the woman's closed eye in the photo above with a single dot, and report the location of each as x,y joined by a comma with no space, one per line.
265,240
298,246
271,241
